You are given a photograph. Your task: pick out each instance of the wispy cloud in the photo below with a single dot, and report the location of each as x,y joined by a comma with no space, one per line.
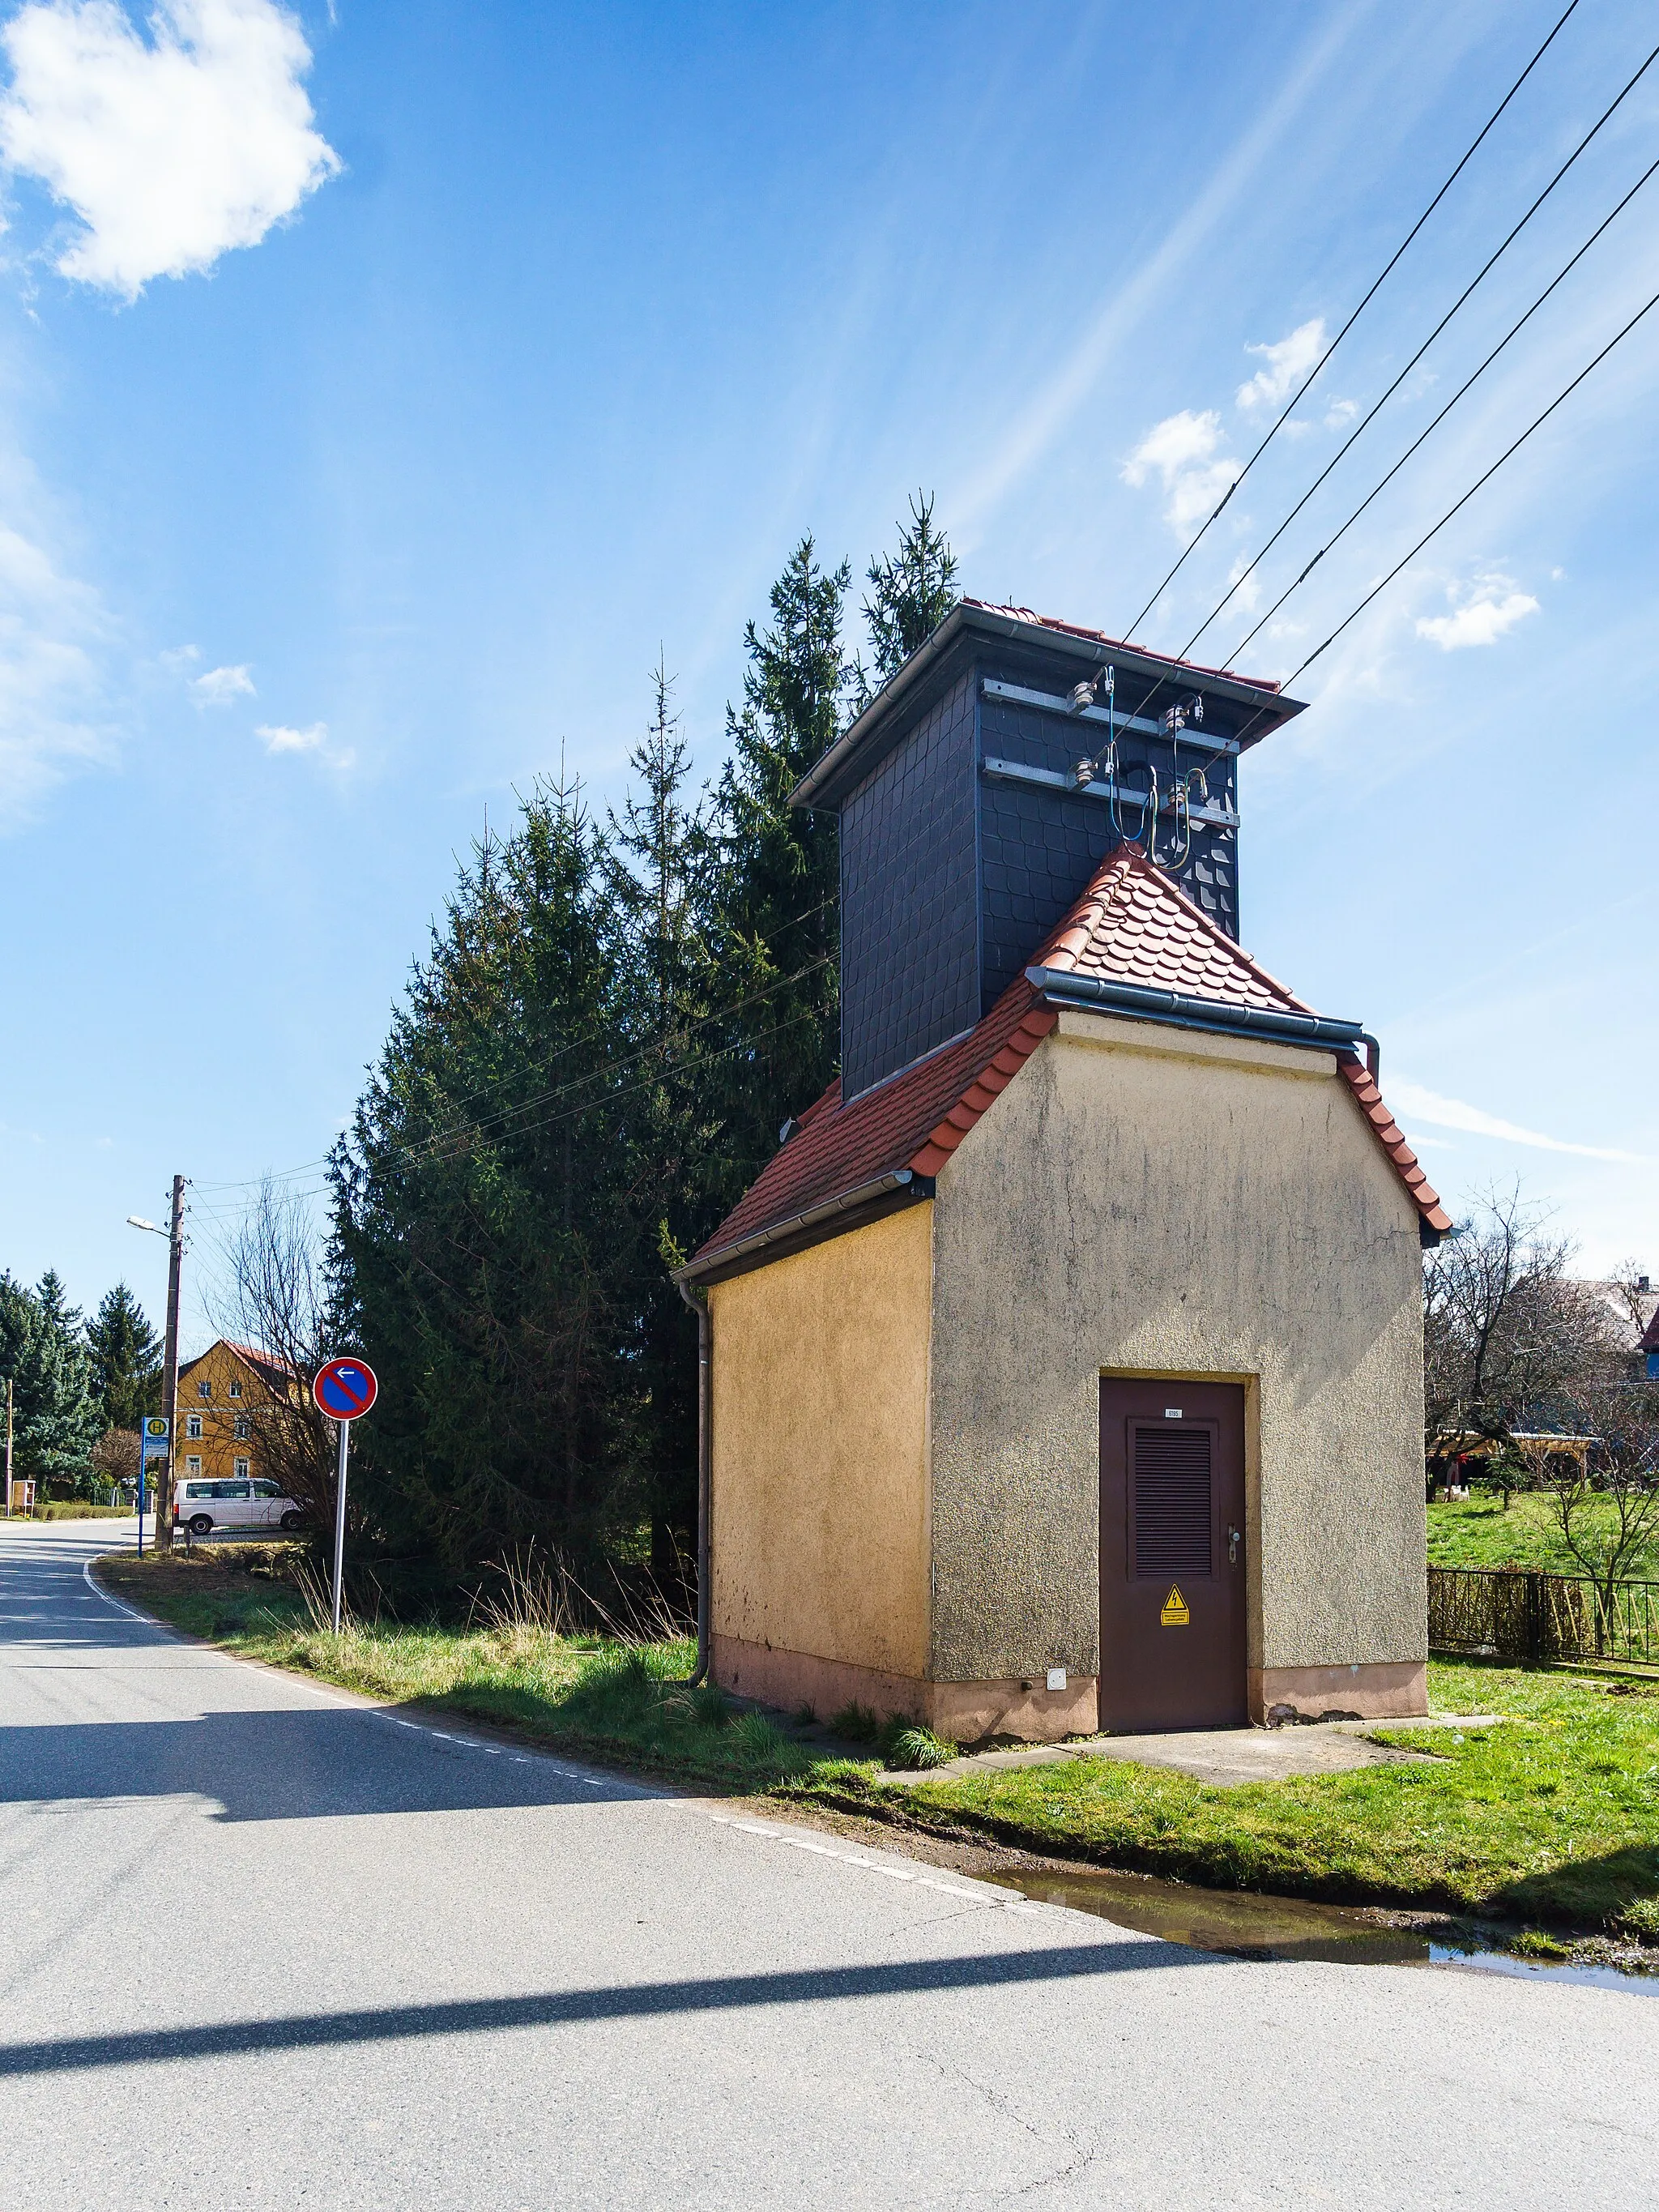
219,686
1182,449
1045,415
1422,1105
1483,611
1288,362
56,635
170,149
279,738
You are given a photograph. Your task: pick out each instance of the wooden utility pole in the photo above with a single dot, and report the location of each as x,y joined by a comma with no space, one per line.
7,1447
164,1489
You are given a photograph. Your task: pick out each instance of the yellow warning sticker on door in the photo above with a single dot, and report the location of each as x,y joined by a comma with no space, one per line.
1177,1612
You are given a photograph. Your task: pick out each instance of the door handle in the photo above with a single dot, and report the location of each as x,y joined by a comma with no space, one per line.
1235,1537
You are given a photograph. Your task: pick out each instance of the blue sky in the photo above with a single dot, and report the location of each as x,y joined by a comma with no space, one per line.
380,386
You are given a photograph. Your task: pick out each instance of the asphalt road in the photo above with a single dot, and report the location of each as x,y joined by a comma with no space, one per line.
265,1945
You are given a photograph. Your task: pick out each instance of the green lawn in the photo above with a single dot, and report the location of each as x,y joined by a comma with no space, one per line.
1551,1816
1477,1531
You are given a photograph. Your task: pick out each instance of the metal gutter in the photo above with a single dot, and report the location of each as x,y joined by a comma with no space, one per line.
865,1194
1183,1010
699,1305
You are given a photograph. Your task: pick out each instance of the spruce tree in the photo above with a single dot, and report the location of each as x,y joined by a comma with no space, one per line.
780,936
660,870
912,593
481,1219
126,1360
56,1421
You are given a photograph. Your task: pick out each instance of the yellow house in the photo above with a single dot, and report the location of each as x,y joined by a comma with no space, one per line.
222,1395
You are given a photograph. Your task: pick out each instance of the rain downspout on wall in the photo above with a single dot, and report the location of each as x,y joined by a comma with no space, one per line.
698,1301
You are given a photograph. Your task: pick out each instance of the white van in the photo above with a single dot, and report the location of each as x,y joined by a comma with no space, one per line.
243,1502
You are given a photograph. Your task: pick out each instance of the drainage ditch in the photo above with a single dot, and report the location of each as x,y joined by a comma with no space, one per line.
1239,1924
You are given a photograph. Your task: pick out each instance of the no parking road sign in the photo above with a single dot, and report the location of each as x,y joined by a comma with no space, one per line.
343,1389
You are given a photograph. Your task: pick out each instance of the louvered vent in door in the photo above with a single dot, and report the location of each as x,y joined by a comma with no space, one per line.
1170,1490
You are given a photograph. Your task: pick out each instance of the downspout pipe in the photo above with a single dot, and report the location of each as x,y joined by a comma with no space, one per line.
698,1301
1183,1010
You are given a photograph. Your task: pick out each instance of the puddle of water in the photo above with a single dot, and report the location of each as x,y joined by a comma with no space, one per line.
1242,1925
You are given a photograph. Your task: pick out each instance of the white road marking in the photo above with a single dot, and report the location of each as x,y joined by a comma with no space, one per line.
982,1894
132,1614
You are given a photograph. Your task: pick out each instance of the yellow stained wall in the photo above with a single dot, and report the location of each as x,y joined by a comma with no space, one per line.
819,1507
1142,1200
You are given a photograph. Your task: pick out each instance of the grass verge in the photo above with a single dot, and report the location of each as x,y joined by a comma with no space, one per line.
1549,1817
1552,1815
608,1700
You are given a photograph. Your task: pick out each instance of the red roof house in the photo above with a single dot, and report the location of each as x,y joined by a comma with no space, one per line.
1063,1367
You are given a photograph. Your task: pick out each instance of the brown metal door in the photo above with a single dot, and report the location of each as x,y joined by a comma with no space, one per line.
1172,1555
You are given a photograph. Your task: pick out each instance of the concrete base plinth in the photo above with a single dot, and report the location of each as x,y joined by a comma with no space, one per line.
966,1712
1375,1690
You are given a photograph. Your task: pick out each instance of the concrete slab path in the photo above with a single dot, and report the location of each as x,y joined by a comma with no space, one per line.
1221,1756
263,1945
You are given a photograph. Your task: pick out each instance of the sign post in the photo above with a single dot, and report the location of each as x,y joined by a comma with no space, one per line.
344,1389
155,1437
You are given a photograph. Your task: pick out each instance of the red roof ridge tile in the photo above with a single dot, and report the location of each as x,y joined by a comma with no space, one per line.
1119,644
1129,864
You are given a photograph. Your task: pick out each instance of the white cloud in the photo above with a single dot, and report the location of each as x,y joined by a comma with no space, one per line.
280,739
219,686
1419,1104
1484,610
1340,413
1245,586
171,149
1181,448
1288,362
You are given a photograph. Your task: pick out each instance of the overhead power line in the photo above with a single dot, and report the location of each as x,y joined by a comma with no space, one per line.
1370,295
1457,508
1536,423
1475,376
583,1036
1376,410
492,1126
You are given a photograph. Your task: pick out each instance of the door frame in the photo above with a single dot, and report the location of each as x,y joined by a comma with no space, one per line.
1250,1383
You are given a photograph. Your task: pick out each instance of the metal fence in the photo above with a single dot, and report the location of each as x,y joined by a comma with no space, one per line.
1508,1612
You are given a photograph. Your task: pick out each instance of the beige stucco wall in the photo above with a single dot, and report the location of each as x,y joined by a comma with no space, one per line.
820,1448
1158,1201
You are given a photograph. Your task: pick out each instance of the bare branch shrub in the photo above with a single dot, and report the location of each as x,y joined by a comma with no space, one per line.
1607,1505
1508,1336
115,1458
270,1294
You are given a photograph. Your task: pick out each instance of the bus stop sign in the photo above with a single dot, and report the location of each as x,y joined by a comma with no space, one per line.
343,1389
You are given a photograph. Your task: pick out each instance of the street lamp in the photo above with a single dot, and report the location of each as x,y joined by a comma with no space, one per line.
174,1234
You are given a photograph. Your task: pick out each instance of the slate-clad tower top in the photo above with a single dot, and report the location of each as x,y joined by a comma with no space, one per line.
965,834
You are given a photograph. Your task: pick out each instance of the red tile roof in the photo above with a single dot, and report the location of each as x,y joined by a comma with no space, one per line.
276,1373
1119,644
1133,926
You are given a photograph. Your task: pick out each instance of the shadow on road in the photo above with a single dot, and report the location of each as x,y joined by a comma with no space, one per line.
281,1766
581,2008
